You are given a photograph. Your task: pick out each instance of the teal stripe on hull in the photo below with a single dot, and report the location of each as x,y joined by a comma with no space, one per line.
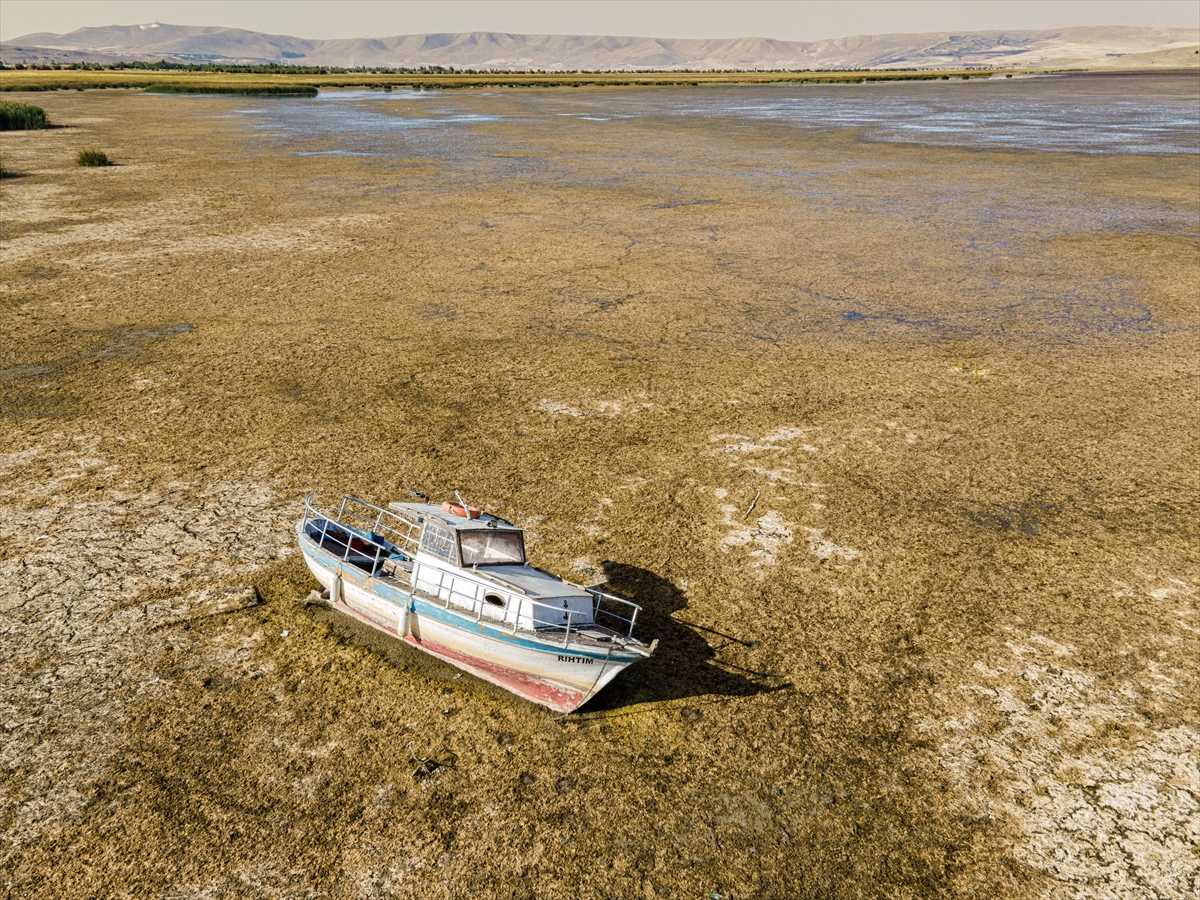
420,607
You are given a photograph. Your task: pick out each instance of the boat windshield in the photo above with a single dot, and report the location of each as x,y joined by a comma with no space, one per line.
491,548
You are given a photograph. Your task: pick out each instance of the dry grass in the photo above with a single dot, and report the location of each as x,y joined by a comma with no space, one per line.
962,608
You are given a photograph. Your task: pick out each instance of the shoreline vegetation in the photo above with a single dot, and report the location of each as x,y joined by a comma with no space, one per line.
290,90
288,80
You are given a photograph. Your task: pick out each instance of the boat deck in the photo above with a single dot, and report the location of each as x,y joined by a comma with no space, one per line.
382,545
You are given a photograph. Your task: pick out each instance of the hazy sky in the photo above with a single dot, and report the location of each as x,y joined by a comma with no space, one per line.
797,20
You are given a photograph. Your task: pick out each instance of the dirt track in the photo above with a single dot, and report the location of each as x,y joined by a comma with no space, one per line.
952,651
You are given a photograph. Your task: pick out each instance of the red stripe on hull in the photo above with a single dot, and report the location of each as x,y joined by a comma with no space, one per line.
522,684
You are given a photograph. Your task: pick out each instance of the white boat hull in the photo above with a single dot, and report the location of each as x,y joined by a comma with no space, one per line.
530,665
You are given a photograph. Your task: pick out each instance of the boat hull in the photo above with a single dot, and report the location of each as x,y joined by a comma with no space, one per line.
562,678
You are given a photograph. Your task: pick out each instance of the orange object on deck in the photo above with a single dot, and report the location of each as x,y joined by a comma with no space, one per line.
455,510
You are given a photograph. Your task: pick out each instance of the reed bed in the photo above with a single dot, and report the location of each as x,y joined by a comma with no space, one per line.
22,117
248,90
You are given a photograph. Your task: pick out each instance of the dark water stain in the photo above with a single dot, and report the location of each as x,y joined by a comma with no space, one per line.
1104,310
434,313
1025,518
122,342
1067,317
151,334
24,371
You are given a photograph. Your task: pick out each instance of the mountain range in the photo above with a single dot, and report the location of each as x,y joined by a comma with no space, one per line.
1090,46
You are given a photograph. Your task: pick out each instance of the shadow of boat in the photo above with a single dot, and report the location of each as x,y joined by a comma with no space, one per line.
685,663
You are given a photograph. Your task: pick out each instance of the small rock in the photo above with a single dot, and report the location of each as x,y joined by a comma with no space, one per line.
690,715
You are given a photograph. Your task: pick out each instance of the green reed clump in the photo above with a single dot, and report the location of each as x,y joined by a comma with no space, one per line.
92,158
22,117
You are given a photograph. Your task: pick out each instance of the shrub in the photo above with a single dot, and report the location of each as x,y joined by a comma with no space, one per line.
92,158
22,117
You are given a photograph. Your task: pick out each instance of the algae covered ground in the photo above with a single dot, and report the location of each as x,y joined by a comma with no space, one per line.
893,436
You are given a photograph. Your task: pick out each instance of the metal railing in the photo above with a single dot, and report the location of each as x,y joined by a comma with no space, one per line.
361,531
598,599
621,625
625,632
364,534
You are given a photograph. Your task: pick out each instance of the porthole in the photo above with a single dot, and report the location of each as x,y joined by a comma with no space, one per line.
494,600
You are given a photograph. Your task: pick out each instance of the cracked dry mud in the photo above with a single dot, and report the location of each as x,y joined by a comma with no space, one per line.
896,445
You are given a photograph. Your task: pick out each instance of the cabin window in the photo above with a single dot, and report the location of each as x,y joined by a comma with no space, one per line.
494,600
492,547
439,542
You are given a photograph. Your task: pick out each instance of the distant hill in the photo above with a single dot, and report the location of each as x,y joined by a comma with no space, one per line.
1090,46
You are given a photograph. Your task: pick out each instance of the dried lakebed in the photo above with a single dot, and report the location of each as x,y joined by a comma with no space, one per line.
895,442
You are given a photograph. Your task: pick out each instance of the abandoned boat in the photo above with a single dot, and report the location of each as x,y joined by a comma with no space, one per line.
454,582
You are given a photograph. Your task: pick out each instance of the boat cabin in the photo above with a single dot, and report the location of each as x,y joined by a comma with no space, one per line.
479,563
